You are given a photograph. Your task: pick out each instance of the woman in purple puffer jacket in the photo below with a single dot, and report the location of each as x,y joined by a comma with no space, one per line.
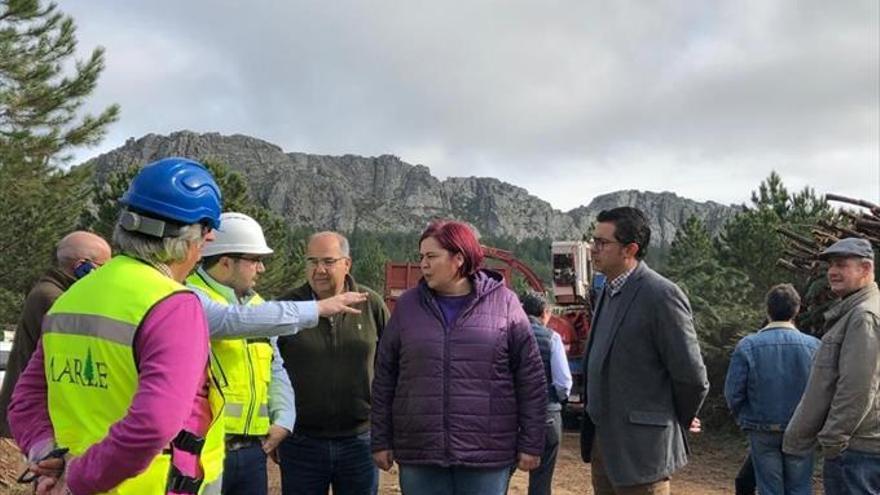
459,394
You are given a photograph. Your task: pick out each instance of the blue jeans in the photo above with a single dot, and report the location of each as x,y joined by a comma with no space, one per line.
244,472
311,465
434,480
776,472
852,473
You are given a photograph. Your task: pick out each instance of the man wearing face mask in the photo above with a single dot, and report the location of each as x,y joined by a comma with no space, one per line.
331,368
77,254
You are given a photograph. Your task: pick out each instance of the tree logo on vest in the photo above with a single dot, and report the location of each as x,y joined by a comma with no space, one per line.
84,372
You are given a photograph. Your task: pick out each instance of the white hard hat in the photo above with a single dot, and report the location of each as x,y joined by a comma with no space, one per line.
238,233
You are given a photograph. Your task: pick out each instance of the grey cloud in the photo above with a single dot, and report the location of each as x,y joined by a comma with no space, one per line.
658,95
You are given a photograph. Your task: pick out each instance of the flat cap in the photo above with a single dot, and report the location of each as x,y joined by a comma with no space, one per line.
849,247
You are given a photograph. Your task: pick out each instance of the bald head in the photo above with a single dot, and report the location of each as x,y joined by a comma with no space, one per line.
78,246
327,263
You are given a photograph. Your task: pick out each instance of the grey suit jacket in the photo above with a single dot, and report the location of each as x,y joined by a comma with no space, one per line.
652,381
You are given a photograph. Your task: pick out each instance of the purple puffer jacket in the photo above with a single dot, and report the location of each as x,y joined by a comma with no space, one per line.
471,395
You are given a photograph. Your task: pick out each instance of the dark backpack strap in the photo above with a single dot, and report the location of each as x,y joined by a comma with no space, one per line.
180,483
188,442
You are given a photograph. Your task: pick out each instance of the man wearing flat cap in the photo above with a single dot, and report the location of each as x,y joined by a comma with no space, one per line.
840,408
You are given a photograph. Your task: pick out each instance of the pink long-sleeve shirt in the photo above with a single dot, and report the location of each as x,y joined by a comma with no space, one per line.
172,352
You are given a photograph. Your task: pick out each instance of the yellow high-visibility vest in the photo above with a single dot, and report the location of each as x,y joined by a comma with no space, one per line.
243,369
92,376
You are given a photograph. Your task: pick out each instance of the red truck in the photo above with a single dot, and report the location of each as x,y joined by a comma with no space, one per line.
571,289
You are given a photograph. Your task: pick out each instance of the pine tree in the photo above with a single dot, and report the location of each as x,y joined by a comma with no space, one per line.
40,100
751,243
102,211
89,368
41,93
726,279
368,260
719,297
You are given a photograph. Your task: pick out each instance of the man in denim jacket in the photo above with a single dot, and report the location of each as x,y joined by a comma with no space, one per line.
767,376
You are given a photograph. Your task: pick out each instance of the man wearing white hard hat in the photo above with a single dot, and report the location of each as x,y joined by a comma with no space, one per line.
259,409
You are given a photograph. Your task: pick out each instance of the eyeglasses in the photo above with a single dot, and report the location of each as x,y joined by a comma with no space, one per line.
325,262
251,258
600,243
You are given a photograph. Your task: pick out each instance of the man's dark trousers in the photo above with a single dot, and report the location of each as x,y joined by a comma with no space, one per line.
310,465
541,479
244,471
745,479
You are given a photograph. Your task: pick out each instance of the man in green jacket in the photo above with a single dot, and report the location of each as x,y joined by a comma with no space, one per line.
840,408
331,369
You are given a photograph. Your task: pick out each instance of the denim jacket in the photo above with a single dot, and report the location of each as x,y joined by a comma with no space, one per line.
767,376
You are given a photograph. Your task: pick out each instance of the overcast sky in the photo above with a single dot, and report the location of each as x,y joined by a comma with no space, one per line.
569,99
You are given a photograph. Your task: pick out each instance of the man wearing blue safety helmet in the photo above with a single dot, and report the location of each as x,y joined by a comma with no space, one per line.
121,380
129,349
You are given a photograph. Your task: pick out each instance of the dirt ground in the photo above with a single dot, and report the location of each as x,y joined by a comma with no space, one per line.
11,466
714,462
712,468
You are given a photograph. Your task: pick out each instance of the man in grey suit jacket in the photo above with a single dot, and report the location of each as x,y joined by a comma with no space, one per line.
645,378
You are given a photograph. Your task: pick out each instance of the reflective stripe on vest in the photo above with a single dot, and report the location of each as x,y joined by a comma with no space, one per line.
244,369
91,373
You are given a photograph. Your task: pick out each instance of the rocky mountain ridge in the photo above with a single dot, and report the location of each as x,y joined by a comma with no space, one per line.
386,194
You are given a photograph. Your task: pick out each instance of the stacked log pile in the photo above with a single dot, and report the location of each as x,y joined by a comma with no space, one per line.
801,254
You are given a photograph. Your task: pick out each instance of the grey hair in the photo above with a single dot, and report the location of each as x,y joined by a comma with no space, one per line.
166,250
872,269
343,241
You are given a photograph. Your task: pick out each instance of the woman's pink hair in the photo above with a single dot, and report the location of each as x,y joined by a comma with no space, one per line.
457,237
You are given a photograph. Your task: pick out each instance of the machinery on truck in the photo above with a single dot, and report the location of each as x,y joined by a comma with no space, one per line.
571,287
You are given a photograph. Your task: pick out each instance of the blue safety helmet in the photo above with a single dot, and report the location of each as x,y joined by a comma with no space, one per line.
178,190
